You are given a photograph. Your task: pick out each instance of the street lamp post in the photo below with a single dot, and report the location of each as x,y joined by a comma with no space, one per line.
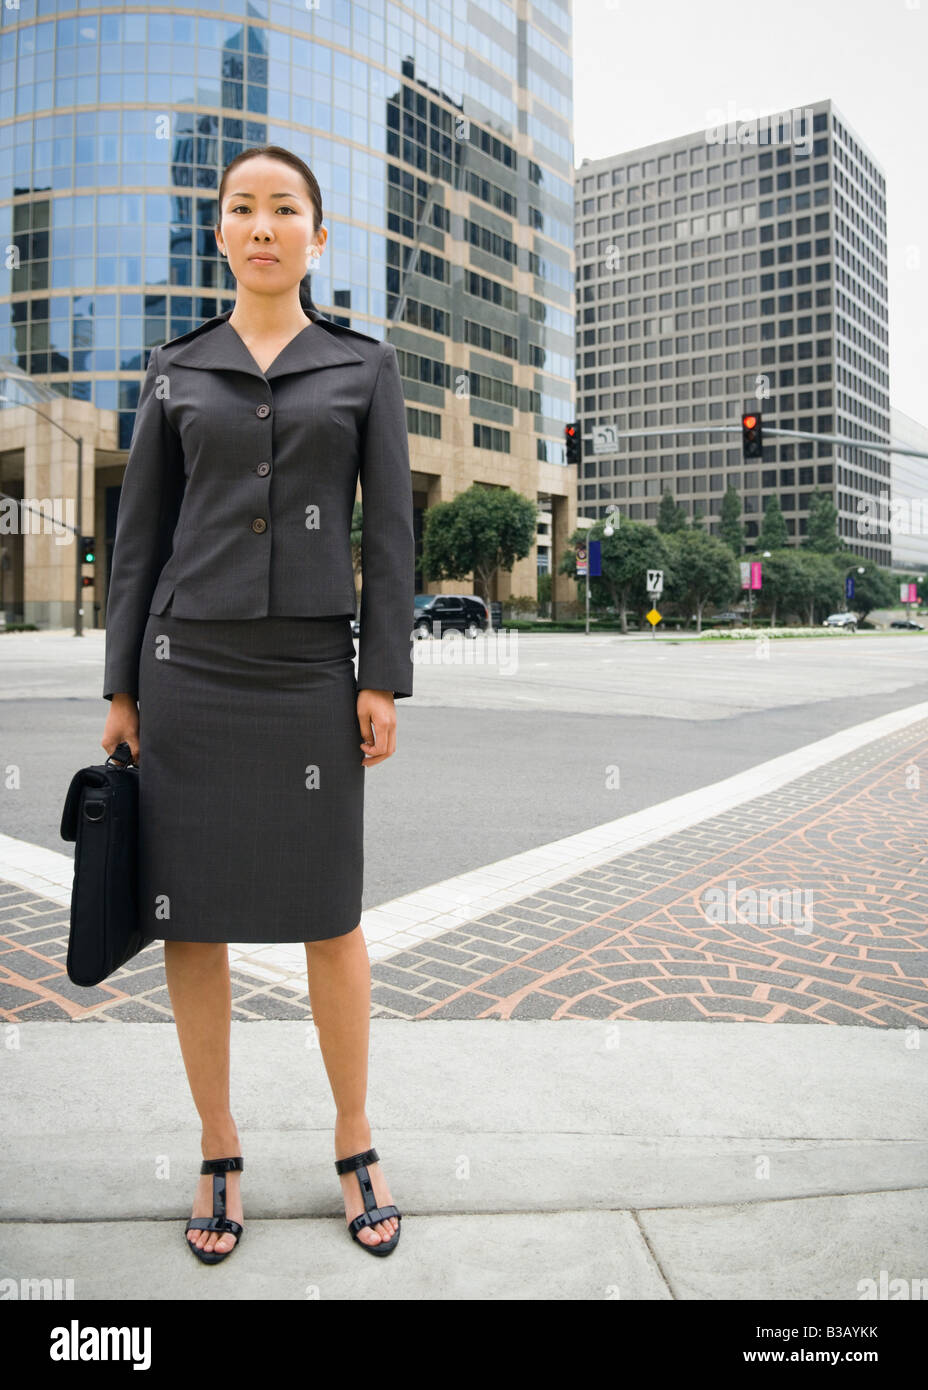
78,439
766,554
586,523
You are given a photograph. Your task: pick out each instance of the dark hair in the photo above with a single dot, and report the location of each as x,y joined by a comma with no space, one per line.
308,177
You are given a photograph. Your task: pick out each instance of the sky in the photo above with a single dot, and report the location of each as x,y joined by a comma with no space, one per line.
647,70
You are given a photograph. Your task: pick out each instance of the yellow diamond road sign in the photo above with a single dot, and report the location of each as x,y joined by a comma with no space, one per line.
653,617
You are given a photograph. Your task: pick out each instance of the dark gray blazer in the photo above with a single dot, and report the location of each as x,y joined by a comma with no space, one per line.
239,489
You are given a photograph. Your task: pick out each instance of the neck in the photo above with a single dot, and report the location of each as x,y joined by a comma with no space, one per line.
263,316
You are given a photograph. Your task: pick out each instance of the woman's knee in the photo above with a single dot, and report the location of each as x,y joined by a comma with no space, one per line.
197,955
203,948
331,945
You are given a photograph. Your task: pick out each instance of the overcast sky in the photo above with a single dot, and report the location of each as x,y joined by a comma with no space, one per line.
646,70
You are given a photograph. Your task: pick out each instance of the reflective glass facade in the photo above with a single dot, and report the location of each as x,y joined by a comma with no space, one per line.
440,135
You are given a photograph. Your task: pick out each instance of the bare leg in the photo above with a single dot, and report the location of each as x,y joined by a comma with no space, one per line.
339,975
198,983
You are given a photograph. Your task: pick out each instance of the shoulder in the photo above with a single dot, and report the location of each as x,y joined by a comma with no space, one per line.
165,349
373,350
340,328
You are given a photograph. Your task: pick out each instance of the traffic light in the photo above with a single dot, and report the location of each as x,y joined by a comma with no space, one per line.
88,556
572,435
752,436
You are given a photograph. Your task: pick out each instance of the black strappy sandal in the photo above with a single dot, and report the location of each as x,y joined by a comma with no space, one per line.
371,1213
218,1221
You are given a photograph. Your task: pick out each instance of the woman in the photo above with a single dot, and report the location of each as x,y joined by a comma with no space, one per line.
228,639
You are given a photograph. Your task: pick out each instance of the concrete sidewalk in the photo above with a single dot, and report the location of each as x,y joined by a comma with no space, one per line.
541,1161
680,1106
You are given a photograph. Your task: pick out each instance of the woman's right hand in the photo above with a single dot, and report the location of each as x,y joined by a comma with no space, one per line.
122,725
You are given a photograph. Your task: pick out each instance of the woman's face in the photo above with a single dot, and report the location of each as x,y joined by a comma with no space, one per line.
255,220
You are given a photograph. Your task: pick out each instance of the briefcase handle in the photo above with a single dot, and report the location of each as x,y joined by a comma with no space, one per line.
121,756
94,777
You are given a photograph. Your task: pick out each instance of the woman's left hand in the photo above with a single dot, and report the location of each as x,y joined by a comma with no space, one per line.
377,718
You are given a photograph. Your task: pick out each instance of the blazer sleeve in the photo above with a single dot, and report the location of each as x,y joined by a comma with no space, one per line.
149,502
387,541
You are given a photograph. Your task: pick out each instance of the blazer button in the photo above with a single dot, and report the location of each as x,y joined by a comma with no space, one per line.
259,524
263,411
263,470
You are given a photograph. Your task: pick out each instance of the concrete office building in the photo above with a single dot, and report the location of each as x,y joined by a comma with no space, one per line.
441,139
745,257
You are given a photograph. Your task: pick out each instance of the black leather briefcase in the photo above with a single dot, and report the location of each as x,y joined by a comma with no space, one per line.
101,814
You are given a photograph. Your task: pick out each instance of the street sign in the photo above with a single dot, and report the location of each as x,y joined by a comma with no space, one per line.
605,439
653,617
655,583
849,586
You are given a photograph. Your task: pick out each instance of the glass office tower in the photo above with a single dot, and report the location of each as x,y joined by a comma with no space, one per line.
440,135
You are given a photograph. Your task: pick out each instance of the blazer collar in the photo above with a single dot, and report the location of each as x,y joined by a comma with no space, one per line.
218,347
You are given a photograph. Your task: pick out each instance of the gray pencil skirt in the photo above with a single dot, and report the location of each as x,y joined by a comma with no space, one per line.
251,780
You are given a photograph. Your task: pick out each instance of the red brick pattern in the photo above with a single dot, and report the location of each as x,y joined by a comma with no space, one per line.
855,851
631,938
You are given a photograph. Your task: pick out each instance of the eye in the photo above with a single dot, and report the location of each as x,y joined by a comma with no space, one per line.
280,209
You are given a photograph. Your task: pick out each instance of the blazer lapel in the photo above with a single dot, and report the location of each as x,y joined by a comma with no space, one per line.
219,348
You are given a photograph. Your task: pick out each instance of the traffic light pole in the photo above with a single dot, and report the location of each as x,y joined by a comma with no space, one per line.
79,604
867,445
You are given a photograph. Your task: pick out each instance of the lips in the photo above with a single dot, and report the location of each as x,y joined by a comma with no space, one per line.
262,260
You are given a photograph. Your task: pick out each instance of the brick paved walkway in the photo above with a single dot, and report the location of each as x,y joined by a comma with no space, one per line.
808,905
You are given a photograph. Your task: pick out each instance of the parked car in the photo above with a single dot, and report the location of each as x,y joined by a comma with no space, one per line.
731,616
848,620
440,613
907,622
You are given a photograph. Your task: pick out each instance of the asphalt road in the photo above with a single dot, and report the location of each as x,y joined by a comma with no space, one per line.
504,756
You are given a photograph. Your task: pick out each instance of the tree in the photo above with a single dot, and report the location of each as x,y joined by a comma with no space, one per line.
479,532
818,585
875,588
781,584
704,571
773,532
699,520
634,548
670,516
731,532
822,534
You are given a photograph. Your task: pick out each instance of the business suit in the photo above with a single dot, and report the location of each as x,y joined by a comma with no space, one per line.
225,467
228,616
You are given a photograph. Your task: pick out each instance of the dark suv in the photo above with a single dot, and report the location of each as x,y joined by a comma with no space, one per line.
436,614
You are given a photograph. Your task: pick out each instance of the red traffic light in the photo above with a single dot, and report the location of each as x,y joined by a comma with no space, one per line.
752,436
570,431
